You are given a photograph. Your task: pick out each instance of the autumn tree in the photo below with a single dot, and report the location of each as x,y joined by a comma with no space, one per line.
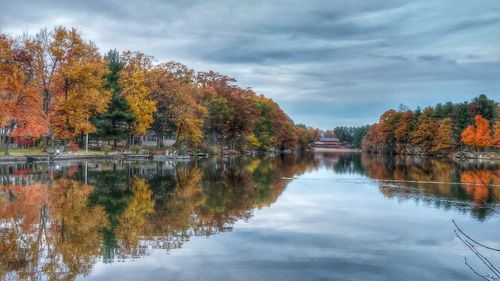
285,131
178,111
306,135
264,129
478,136
443,141
78,85
495,142
21,113
242,103
404,127
134,81
217,120
239,107
387,126
424,132
373,140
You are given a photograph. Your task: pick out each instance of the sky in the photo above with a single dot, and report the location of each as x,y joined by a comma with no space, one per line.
326,62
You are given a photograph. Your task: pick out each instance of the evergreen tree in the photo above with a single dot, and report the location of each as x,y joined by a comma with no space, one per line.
461,119
115,124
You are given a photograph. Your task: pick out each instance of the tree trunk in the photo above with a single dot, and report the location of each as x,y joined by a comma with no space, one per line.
7,145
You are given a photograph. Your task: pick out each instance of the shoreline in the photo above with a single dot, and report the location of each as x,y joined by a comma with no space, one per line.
322,149
457,156
48,158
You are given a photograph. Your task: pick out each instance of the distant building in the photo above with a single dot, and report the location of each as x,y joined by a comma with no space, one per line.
328,143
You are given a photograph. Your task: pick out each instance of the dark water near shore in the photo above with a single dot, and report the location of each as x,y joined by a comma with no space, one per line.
345,216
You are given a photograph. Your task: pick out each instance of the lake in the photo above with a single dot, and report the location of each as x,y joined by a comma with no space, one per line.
331,216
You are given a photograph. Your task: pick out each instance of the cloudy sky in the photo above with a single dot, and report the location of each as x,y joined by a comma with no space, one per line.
326,62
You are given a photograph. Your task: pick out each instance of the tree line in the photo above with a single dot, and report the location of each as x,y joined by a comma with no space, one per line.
56,86
441,129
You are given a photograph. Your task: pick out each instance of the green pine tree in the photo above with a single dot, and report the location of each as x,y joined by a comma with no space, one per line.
115,124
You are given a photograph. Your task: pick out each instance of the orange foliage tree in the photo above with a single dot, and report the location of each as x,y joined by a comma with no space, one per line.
21,108
178,109
425,130
495,142
443,142
478,136
403,127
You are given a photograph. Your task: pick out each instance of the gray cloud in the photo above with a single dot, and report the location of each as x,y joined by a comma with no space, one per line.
326,62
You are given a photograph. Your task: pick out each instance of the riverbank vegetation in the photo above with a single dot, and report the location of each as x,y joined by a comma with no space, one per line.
56,87
439,130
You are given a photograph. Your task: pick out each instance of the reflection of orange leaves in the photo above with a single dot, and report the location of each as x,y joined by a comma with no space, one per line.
479,193
73,233
72,170
482,177
22,172
22,202
475,183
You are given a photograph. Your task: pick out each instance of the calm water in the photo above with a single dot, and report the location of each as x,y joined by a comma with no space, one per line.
320,217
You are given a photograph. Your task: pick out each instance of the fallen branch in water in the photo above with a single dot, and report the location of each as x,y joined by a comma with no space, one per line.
468,237
494,274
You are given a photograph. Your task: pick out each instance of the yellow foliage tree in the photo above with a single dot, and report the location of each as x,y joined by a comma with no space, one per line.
78,84
135,88
253,141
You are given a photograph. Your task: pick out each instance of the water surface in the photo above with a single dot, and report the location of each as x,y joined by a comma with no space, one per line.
317,217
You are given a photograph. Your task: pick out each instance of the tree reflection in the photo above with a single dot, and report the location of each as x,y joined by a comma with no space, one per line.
443,184
132,221
57,229
54,227
49,232
73,230
21,230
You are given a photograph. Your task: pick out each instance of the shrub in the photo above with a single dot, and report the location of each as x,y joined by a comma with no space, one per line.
135,149
106,149
73,147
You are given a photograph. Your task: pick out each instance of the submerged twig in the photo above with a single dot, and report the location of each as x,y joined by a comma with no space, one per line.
468,237
470,243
